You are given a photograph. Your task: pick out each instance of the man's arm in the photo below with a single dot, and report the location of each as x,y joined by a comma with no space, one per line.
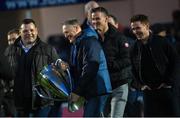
123,58
90,62
173,74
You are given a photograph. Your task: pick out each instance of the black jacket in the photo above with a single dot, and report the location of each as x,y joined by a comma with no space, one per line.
26,67
4,66
116,49
165,57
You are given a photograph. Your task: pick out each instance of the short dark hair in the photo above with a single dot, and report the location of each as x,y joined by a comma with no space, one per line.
16,31
113,17
28,21
140,17
100,9
71,22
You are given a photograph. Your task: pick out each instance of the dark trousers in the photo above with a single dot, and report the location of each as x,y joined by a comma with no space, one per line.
176,100
159,103
26,110
95,106
41,112
56,110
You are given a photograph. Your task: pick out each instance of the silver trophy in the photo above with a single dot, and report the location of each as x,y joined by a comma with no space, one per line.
59,83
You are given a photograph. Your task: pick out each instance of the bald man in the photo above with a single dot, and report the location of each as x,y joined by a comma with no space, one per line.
87,25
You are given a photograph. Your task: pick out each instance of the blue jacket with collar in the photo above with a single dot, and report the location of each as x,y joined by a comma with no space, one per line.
90,71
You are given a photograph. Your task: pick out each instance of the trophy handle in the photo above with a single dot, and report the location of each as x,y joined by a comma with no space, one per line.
70,79
58,61
44,97
72,106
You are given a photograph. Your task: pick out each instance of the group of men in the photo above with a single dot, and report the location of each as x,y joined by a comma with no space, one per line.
101,64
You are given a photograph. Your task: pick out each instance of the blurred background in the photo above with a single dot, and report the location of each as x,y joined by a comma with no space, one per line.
49,14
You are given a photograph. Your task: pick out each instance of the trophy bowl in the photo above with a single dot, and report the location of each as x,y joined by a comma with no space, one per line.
59,84
55,81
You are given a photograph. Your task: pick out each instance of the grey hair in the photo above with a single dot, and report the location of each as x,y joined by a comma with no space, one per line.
90,5
71,22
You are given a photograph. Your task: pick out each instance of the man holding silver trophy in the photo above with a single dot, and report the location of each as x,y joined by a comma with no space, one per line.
88,69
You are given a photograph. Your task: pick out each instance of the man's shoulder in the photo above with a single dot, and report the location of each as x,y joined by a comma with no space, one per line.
91,38
8,50
154,36
156,39
43,47
89,41
44,44
116,35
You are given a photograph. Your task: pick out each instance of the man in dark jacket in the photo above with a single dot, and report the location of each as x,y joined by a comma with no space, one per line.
88,68
156,66
7,84
116,49
7,108
28,56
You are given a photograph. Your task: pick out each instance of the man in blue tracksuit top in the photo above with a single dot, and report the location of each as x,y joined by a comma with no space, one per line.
88,69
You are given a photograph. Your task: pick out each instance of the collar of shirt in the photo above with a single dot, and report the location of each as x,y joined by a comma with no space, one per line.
26,49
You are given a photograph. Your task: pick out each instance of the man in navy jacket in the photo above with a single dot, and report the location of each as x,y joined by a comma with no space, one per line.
88,68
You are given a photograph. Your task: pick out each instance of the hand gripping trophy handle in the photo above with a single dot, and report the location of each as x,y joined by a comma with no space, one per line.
72,106
57,63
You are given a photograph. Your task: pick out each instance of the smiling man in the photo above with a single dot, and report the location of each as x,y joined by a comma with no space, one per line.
156,66
28,56
12,36
88,68
116,49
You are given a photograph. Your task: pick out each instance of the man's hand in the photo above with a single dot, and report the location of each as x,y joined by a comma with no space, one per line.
164,85
74,97
64,66
145,87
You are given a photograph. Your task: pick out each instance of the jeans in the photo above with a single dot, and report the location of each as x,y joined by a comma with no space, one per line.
135,104
95,106
118,100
